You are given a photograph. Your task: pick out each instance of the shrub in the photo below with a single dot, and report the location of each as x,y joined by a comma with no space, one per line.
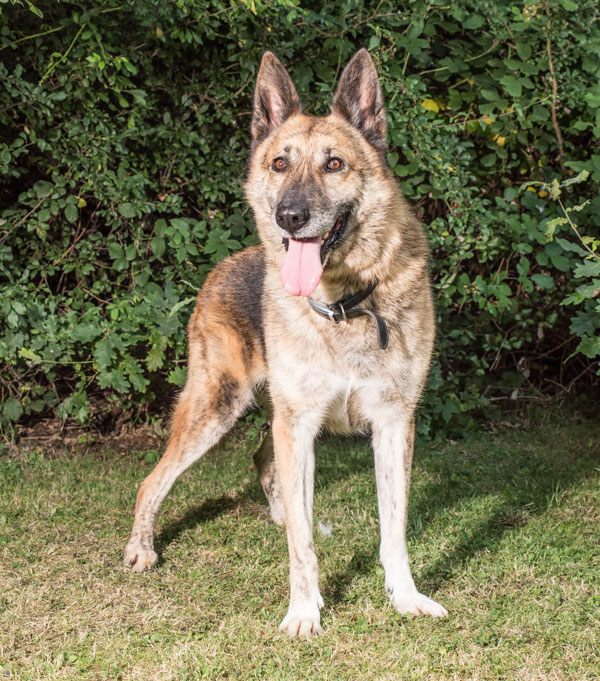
123,145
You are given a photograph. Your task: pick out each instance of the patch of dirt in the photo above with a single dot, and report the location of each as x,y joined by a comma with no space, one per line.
53,435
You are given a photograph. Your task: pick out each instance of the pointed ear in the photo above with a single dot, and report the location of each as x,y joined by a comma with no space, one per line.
275,97
360,101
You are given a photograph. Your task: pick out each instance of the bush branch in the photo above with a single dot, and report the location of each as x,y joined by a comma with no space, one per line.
559,139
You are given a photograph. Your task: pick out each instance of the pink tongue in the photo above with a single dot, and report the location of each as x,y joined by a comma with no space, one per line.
302,268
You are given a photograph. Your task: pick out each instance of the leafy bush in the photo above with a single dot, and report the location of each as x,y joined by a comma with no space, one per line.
123,145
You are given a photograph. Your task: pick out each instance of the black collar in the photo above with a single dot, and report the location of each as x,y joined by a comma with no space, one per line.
343,310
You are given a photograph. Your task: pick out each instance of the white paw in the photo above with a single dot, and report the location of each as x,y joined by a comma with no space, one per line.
303,621
417,604
138,558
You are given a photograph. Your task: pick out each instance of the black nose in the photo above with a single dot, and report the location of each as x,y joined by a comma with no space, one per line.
292,216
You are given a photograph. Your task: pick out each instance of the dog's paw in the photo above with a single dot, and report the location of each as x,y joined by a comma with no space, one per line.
416,603
305,621
138,558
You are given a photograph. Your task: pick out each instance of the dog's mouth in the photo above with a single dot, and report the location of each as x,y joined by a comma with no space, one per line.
329,239
334,236
303,263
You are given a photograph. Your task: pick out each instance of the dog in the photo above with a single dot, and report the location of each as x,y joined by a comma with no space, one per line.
333,313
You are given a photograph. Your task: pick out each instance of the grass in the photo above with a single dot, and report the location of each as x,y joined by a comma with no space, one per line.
504,531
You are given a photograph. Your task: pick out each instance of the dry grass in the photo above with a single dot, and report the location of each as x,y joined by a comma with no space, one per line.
504,532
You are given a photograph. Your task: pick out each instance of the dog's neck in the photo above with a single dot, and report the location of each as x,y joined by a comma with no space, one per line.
347,308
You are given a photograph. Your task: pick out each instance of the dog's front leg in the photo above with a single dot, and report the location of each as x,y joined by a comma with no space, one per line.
295,461
393,439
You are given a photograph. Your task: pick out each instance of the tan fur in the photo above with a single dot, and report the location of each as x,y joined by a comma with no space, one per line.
319,374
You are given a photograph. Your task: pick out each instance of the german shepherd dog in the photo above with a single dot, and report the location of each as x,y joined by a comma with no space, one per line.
333,312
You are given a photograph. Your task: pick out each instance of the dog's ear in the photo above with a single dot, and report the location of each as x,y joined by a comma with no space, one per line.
360,101
275,97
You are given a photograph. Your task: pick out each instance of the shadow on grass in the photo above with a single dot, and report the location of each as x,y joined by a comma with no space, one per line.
209,510
525,479
333,468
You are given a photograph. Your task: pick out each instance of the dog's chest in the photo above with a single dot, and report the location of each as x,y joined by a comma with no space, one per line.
337,372
354,387
345,414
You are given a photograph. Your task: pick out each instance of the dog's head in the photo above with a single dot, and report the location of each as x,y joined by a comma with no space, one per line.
315,184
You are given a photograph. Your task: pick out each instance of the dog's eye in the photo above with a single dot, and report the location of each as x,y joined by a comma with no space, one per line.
279,164
334,164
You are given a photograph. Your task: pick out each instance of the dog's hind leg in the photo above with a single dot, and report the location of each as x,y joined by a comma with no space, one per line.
223,371
199,423
226,364
264,459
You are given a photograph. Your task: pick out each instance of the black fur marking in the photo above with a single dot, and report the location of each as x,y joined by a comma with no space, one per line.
227,393
247,284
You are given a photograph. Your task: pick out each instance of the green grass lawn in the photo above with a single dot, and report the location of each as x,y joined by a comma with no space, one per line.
504,531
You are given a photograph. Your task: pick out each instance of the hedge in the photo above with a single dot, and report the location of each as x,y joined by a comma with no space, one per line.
124,132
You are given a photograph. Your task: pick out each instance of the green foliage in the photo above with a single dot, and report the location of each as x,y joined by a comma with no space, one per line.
123,146
584,266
